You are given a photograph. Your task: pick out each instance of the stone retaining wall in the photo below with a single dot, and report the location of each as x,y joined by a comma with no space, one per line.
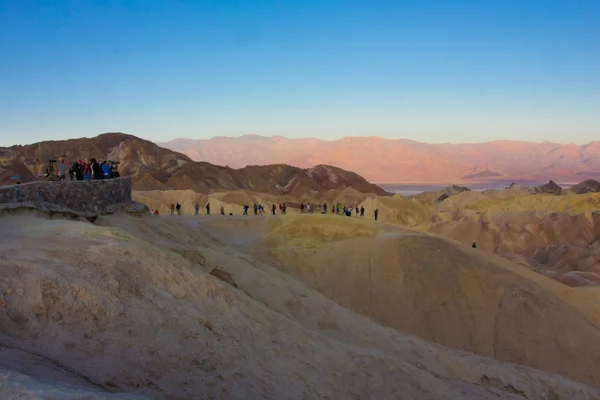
85,197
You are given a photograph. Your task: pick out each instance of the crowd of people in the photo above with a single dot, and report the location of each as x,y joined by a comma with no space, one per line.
259,209
86,170
338,209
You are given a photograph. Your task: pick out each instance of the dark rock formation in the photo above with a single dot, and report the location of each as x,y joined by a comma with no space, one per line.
549,188
588,186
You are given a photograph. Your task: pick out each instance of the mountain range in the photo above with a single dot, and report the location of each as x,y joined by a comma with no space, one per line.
155,168
406,161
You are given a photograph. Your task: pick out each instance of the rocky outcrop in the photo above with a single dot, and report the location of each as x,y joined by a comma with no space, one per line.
81,197
549,188
440,195
587,186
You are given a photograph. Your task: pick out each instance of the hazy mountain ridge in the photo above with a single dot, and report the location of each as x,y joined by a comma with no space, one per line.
402,160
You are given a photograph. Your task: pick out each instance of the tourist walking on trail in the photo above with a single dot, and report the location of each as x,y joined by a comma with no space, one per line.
207,208
222,210
280,208
357,212
260,209
284,209
274,208
255,209
178,207
325,208
246,210
172,208
376,212
362,211
197,208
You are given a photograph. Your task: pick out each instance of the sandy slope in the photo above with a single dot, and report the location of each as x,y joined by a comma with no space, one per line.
454,295
558,236
128,304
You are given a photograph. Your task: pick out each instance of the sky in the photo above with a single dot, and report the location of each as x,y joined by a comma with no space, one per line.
434,71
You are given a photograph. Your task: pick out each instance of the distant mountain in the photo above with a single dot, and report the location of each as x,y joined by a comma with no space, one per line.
155,168
403,161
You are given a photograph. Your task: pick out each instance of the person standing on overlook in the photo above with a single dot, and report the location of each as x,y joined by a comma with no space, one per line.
87,171
105,170
62,170
96,170
75,171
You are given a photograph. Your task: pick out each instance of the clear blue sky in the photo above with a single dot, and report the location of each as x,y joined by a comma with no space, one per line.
436,71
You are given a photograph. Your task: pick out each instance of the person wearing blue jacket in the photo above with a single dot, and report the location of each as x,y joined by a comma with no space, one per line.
106,170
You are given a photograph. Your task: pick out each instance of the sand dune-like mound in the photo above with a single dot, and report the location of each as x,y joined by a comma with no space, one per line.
347,196
161,307
480,202
398,209
452,294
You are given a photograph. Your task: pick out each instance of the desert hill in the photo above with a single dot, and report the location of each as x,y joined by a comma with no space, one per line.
156,168
555,233
178,308
454,295
401,160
